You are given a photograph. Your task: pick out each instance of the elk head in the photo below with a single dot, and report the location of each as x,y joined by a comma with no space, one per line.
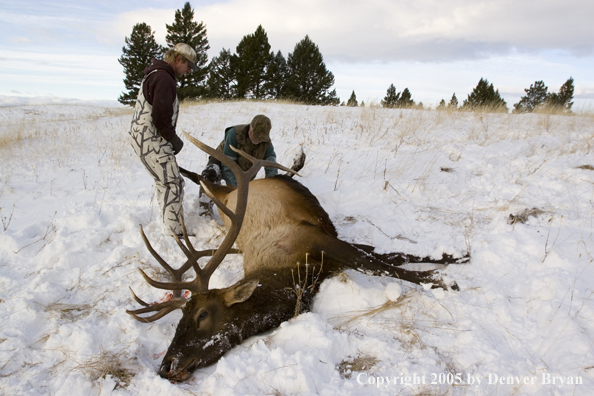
213,320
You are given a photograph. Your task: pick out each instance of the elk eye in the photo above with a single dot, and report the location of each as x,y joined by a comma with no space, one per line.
202,315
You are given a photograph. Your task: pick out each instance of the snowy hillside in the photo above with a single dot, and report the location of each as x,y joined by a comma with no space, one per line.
72,195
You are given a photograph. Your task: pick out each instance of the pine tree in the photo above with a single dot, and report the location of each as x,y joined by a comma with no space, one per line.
391,98
140,48
352,102
309,80
185,30
535,96
331,99
562,100
405,100
453,105
566,94
278,73
221,78
485,97
251,65
441,106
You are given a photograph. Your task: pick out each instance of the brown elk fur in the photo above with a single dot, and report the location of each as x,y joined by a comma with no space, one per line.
281,220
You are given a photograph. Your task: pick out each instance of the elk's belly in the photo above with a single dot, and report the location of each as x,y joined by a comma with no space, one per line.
279,247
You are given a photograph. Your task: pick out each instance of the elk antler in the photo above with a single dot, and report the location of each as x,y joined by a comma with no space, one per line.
243,178
177,285
200,283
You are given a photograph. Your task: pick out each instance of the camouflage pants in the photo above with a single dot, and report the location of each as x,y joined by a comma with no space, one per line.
156,154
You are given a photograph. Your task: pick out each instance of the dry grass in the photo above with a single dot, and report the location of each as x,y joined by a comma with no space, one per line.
524,215
360,363
308,284
57,134
585,167
108,364
349,320
69,312
187,103
12,136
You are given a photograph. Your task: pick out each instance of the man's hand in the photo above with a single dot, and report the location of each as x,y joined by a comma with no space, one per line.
212,173
177,144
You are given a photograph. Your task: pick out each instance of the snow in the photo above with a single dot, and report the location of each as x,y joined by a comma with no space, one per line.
72,195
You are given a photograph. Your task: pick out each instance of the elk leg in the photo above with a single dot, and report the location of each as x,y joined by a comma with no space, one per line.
351,256
398,259
190,175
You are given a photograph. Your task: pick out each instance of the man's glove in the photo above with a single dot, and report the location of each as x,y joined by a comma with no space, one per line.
177,144
212,173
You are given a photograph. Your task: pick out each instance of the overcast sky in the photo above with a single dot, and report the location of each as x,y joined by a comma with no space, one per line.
69,49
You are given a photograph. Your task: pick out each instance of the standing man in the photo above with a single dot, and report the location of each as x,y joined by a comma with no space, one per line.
153,135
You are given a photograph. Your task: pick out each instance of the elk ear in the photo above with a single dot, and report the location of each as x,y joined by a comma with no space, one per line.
239,292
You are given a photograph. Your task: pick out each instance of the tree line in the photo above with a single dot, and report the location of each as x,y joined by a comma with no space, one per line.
485,97
254,71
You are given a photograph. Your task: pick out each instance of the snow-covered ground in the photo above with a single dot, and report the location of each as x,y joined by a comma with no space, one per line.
72,195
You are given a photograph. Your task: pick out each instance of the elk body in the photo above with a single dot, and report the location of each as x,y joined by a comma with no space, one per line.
289,247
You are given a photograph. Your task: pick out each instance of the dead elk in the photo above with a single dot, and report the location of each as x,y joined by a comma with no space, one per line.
289,247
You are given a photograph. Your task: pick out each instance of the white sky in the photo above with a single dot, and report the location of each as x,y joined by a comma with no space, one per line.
70,49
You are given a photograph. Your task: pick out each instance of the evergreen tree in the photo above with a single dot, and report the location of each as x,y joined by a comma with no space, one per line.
441,106
331,99
453,105
309,80
140,48
562,100
535,96
352,102
221,78
485,97
391,98
251,65
405,100
185,30
278,73
566,94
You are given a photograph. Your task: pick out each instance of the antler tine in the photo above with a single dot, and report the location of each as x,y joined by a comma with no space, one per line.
162,309
210,151
258,164
137,299
178,285
176,275
217,202
187,239
154,252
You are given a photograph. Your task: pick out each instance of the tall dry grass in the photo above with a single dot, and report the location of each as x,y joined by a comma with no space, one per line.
57,133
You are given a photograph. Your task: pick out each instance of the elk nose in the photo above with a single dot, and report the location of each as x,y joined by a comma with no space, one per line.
175,369
165,369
